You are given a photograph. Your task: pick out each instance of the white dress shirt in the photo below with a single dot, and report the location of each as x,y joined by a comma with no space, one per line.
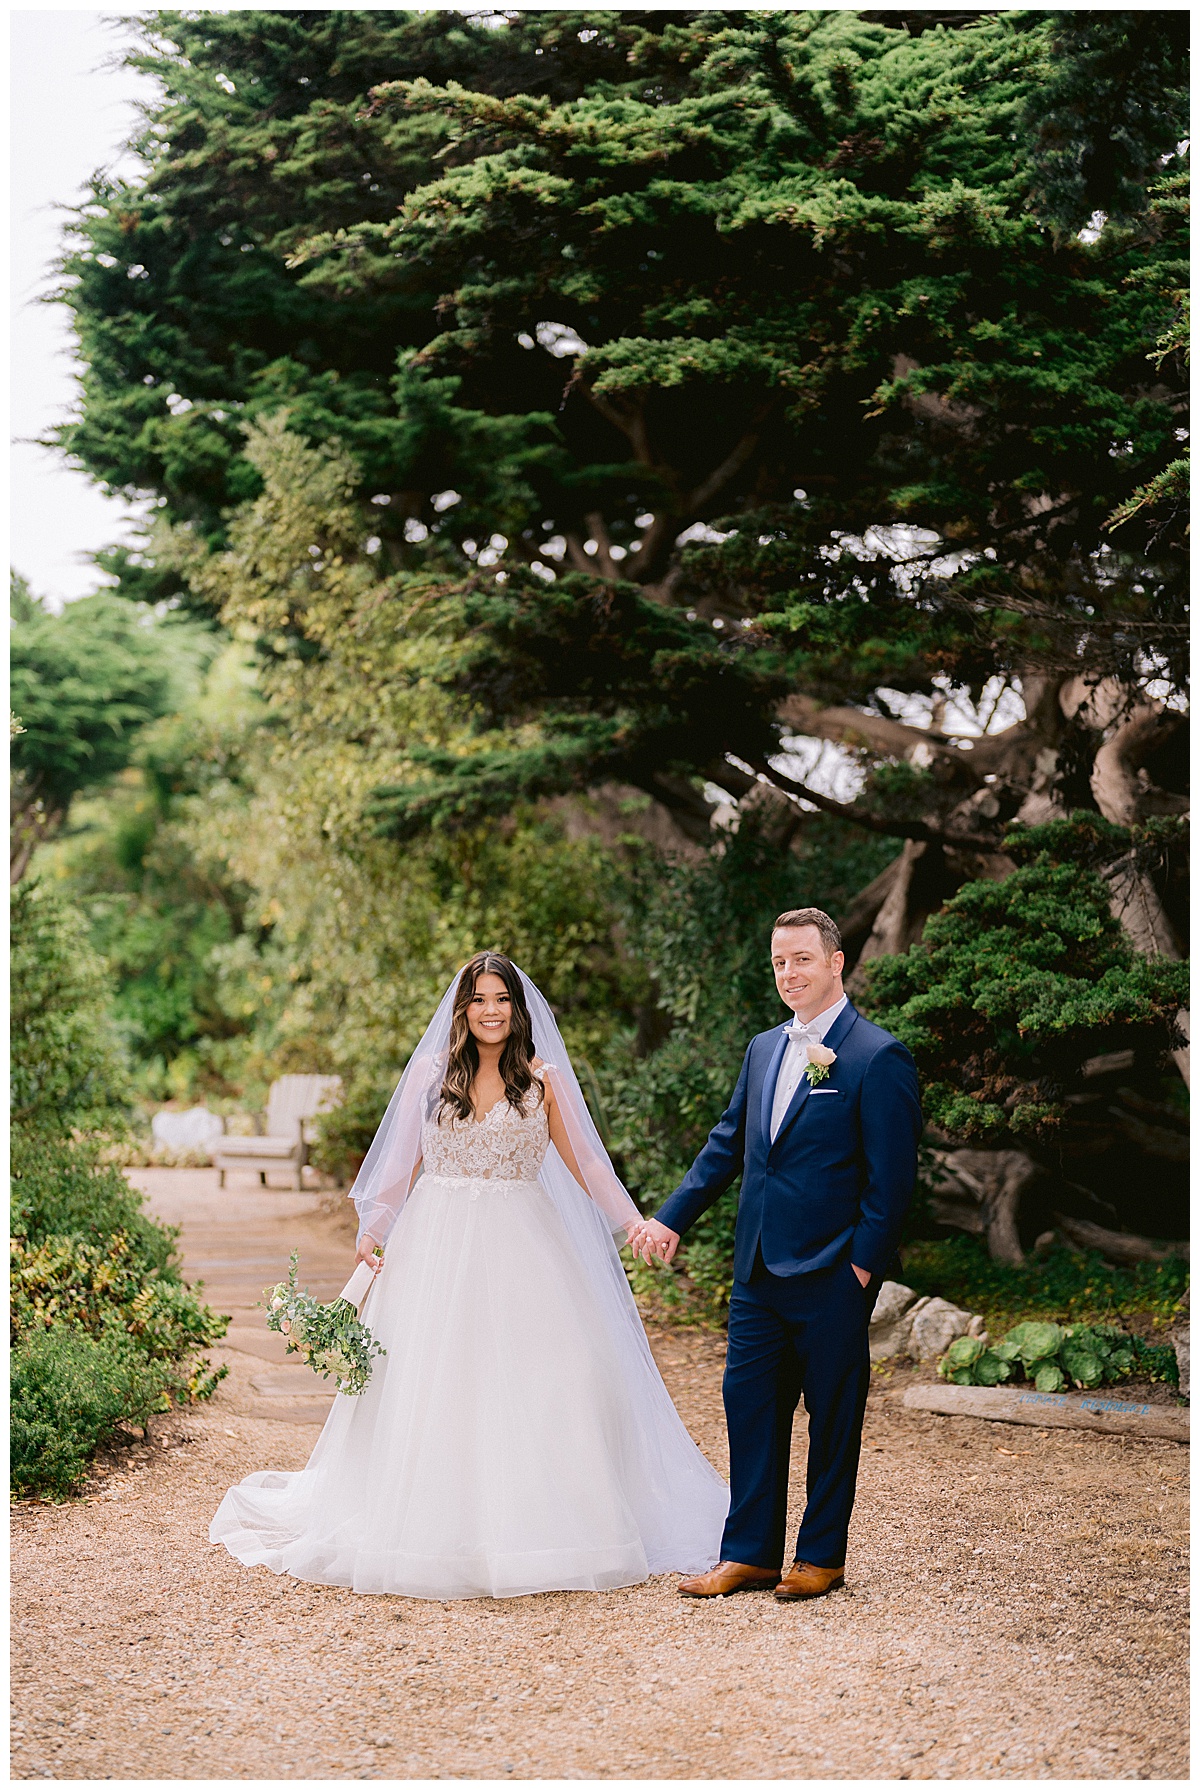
795,1061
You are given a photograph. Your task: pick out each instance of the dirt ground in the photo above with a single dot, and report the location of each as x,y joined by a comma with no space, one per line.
1015,1608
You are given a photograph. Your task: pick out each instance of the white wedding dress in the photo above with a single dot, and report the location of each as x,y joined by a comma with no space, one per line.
505,1444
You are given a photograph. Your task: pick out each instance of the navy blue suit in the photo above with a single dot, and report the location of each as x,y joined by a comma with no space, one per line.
831,1190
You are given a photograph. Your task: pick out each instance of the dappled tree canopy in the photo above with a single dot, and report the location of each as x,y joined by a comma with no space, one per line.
688,390
83,684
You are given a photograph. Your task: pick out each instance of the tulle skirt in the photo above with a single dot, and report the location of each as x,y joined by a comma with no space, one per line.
505,1444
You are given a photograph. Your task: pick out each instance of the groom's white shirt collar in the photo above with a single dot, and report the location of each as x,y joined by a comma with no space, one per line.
792,1066
817,1028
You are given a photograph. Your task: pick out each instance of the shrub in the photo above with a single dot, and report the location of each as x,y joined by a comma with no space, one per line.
61,1188
69,1391
67,1069
1013,986
104,1290
1055,1356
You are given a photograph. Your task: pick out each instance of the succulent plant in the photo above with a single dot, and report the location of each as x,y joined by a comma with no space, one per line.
1082,1362
1055,1356
963,1352
1049,1377
991,1369
1035,1341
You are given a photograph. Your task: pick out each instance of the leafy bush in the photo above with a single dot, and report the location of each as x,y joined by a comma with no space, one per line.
1055,1356
69,1390
1014,985
104,1289
67,1068
60,1187
103,1328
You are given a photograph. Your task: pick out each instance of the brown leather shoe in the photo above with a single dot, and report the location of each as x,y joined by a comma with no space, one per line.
803,1580
727,1577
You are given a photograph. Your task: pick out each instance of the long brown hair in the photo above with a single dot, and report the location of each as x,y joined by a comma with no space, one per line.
462,1062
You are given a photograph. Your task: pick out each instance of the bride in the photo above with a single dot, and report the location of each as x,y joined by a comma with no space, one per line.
517,1435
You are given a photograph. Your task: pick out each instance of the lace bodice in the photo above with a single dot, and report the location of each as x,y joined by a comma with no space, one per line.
505,1145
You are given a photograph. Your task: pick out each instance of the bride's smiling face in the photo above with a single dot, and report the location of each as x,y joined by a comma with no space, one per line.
489,1010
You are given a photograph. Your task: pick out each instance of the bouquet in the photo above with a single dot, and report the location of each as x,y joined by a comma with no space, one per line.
330,1337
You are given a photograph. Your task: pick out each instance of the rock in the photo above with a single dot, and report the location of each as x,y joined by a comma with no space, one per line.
891,1320
194,1129
935,1327
892,1301
1181,1337
902,1324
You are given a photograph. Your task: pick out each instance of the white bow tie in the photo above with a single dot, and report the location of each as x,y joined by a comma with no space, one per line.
803,1034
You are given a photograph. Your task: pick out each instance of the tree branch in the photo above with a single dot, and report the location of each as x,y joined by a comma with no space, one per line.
604,558
873,823
854,727
702,495
1118,1246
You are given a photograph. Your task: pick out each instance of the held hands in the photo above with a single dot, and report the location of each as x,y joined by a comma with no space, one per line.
652,1240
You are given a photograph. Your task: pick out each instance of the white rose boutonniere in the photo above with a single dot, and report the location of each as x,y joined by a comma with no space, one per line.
820,1060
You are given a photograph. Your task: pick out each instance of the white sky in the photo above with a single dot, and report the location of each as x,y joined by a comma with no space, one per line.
70,114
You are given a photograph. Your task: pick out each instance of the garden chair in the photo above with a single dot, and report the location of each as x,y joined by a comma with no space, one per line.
291,1103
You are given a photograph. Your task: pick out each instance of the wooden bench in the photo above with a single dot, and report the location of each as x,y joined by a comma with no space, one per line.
291,1103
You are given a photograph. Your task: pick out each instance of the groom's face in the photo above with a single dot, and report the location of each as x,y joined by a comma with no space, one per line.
807,980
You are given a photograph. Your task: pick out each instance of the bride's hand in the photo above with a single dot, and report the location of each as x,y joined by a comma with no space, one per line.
369,1251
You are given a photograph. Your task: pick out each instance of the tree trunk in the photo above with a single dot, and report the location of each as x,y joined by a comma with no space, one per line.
31,823
1118,1246
982,1191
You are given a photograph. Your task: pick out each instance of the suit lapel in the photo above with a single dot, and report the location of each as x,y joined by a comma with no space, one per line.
834,1038
768,1087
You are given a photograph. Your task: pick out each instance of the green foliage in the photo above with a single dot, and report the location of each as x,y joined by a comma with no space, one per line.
1054,1357
1099,138
69,1390
1013,986
61,1188
103,1329
67,1069
102,1288
1065,1284
84,684
161,905
566,286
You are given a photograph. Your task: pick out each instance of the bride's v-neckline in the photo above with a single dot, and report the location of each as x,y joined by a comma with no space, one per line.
491,1109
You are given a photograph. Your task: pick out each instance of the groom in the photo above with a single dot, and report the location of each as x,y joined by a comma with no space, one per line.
823,1128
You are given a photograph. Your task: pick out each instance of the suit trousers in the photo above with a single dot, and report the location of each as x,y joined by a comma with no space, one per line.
804,1333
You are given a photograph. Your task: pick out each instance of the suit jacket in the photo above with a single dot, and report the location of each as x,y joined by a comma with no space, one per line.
839,1177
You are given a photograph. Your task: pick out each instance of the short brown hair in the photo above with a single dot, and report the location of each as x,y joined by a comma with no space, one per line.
831,938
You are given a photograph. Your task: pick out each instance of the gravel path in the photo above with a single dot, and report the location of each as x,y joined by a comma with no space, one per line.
1016,1603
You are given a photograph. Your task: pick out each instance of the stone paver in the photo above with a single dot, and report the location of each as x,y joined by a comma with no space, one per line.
237,1241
